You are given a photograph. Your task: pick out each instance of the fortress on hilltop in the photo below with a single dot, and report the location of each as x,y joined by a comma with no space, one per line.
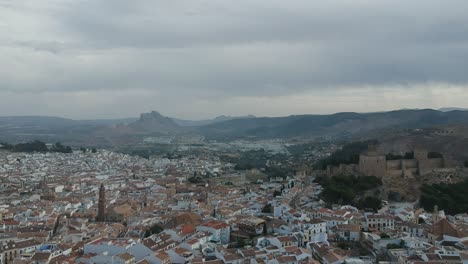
372,163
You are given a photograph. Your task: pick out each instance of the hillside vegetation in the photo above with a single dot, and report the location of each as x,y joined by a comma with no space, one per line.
37,146
350,190
349,154
452,198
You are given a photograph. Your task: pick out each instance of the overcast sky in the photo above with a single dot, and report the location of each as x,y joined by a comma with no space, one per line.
202,58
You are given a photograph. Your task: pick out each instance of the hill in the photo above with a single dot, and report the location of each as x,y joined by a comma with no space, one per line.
154,122
222,118
113,132
340,125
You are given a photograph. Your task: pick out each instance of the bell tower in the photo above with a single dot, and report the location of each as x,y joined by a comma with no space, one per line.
435,214
102,204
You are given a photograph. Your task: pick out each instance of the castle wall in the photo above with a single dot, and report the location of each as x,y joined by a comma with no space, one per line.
394,173
393,164
410,164
410,173
427,165
449,163
372,165
342,169
420,154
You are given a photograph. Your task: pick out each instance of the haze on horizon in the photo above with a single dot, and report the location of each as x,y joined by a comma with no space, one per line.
87,59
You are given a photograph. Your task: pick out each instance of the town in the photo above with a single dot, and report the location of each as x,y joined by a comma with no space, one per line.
106,207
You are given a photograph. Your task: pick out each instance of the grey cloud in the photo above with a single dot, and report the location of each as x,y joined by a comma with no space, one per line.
210,49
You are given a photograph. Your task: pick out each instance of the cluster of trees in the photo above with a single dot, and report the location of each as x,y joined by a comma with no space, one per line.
452,198
391,156
369,202
349,154
300,149
58,147
254,159
195,179
396,246
276,193
349,190
268,209
466,164
37,146
434,155
259,159
154,229
410,155
84,150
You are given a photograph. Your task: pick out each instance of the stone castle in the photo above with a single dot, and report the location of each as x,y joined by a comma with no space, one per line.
371,163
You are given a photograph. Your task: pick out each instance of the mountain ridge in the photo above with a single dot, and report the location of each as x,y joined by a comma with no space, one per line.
338,125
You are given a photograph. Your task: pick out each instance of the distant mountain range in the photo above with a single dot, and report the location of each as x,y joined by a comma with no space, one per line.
111,132
448,109
222,118
334,125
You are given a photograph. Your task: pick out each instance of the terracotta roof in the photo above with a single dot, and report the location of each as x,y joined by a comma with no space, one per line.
215,224
231,257
126,256
444,227
41,256
188,229
286,259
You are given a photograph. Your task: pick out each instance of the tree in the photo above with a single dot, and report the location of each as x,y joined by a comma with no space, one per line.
394,196
384,236
409,155
393,246
370,202
396,246
349,154
434,155
268,209
195,179
241,243
93,150
345,189
453,198
154,229
466,164
33,146
276,193
4,145
58,147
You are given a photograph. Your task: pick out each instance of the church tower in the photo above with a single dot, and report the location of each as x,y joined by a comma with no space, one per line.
102,204
435,214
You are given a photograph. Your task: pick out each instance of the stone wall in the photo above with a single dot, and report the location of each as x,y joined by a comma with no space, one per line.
343,169
410,164
427,165
372,165
394,173
394,165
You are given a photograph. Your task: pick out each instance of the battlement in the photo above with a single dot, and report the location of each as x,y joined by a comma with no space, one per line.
371,163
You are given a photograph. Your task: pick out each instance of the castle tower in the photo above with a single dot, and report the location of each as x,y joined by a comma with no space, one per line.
102,204
371,163
43,184
372,149
420,154
435,214
145,201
